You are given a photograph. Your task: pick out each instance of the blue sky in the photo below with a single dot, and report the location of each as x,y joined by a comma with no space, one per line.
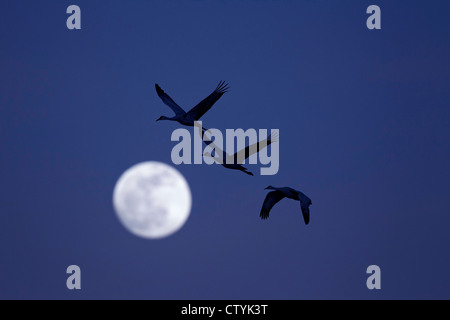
364,130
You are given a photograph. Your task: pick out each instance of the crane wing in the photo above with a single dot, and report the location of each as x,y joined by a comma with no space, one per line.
168,100
305,202
203,106
271,199
243,154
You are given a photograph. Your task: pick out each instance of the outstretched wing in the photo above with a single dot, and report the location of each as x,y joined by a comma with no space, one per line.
168,100
243,154
216,152
206,104
271,199
305,212
305,202
213,151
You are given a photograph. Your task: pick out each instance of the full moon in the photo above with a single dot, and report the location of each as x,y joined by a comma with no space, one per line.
152,199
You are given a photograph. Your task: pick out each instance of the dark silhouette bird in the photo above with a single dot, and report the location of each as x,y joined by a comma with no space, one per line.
274,196
235,161
188,118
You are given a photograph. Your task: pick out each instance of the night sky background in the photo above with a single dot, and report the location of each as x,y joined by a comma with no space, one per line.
364,132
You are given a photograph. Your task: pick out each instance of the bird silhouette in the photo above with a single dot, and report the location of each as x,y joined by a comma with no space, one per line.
235,161
274,196
188,118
